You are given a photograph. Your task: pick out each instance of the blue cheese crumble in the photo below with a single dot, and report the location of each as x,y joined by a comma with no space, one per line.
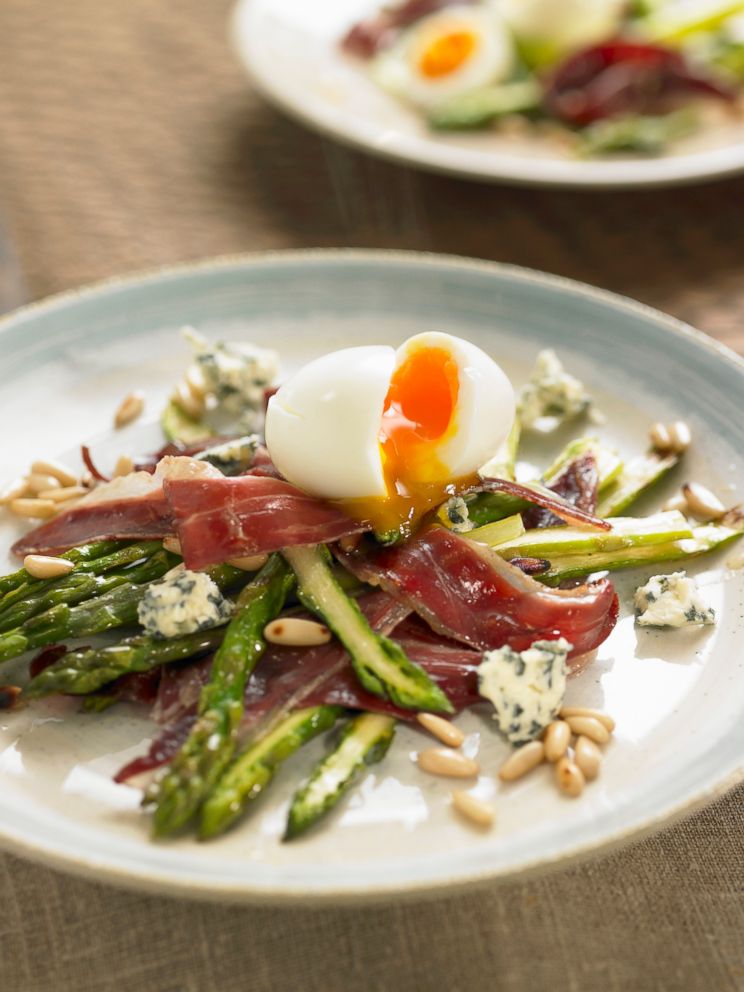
235,376
182,603
551,392
454,515
671,601
232,457
525,687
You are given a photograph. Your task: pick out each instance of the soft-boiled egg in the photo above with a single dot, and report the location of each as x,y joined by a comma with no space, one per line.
445,54
390,433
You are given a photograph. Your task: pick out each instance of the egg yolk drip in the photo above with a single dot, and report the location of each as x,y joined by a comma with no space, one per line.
418,418
446,53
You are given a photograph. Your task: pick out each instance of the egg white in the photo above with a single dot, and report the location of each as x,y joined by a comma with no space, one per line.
397,69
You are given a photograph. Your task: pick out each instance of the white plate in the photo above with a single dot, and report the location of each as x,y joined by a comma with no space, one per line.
676,696
290,48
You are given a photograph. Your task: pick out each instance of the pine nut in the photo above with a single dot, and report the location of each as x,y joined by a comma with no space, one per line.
604,718
445,761
295,632
680,435
660,438
677,502
191,405
557,738
46,567
588,757
15,490
63,494
173,545
442,729
124,465
194,380
63,475
37,509
589,727
129,409
40,483
522,761
702,503
472,809
249,563
569,777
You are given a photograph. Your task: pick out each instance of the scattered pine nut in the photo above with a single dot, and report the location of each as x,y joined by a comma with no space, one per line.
9,695
445,761
442,729
129,409
587,757
589,727
172,544
63,475
473,809
604,718
522,761
557,738
17,489
37,509
63,494
194,380
701,502
249,563
191,405
660,438
124,465
38,483
569,777
681,436
677,502
295,632
46,567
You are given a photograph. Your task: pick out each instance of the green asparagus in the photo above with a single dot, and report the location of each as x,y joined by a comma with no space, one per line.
380,664
192,773
479,108
252,770
499,532
609,463
117,608
85,553
636,478
364,741
86,670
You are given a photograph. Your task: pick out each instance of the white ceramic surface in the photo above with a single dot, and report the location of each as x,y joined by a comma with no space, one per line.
676,696
290,48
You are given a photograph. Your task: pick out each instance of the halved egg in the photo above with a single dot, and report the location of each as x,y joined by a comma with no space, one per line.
445,54
390,433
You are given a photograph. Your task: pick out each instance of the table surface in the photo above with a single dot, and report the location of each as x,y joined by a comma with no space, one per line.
129,138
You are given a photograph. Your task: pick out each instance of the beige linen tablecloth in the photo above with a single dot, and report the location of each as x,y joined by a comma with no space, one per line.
129,138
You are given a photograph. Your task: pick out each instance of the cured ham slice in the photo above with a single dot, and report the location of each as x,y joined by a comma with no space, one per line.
467,592
223,518
545,498
132,507
578,484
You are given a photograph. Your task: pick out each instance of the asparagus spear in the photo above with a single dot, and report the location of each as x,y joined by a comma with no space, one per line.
109,561
85,553
380,664
71,589
81,672
609,463
211,743
499,532
627,532
710,537
365,741
252,770
636,478
117,608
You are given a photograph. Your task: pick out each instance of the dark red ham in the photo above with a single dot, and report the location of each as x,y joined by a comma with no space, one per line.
578,484
134,518
625,77
466,591
545,498
225,518
372,35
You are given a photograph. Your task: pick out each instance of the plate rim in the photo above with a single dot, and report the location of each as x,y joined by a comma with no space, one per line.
686,170
121,871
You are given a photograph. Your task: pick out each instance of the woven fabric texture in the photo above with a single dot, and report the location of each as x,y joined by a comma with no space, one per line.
130,138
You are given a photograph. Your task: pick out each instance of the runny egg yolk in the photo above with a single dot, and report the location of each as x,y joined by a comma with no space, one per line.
419,416
446,53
